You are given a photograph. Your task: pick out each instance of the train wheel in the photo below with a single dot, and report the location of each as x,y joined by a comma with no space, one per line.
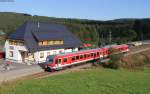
70,66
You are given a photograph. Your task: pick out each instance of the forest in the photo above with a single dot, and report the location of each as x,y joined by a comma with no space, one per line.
94,32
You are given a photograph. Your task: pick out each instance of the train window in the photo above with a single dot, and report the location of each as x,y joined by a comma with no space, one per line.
88,55
97,53
100,53
73,58
59,61
85,56
77,57
106,52
65,59
92,54
81,56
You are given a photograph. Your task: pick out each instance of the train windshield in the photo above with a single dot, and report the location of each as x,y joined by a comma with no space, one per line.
49,59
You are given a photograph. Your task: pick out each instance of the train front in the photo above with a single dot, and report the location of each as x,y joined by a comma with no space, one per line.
49,64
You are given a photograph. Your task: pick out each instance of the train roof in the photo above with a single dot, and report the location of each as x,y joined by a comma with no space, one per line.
81,51
110,46
103,48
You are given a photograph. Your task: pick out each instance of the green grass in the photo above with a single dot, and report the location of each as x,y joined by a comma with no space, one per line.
92,81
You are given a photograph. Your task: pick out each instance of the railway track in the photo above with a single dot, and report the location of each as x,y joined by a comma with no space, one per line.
135,50
69,69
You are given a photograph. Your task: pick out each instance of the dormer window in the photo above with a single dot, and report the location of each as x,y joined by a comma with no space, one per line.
16,42
51,42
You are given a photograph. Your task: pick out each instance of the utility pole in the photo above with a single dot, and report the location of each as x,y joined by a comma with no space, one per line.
141,36
99,43
102,41
110,37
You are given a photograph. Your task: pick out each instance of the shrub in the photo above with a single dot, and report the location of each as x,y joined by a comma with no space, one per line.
114,62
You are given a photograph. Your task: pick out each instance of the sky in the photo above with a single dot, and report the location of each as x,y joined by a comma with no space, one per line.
83,9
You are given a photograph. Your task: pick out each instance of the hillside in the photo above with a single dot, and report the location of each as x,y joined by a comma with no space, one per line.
89,81
89,31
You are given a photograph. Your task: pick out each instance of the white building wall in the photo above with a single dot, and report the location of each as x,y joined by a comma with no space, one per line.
15,49
36,55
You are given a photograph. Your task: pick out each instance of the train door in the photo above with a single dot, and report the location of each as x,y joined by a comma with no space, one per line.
98,55
59,61
103,54
94,55
65,61
106,53
73,59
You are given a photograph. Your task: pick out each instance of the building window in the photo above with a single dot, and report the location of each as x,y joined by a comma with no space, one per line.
16,42
40,43
61,42
10,42
31,55
11,54
41,55
45,43
20,43
51,42
11,47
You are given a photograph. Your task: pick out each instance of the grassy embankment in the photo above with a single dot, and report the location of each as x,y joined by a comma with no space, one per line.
136,61
90,81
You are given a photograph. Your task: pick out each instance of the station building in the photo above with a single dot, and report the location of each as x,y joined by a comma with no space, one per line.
34,41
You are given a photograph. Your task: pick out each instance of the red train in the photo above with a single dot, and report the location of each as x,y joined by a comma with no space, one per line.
63,60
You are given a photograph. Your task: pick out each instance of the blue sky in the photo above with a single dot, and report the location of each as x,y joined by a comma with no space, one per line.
83,9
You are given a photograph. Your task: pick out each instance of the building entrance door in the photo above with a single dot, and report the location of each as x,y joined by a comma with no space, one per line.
23,55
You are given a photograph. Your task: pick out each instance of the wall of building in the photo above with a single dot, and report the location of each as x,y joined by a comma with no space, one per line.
15,50
31,57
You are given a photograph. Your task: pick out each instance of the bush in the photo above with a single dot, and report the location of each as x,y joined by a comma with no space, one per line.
114,62
136,61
